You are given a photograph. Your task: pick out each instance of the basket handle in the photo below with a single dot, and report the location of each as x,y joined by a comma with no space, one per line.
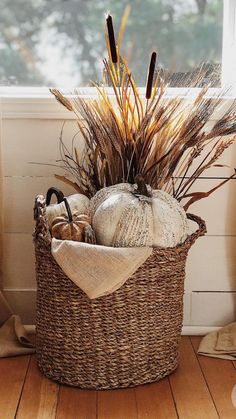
54,191
201,231
41,231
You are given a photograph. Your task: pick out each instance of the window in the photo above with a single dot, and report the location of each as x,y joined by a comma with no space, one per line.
60,42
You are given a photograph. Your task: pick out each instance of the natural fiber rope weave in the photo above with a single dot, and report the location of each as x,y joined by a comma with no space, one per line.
124,339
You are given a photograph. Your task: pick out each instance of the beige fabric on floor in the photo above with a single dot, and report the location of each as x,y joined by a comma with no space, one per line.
14,338
98,270
220,344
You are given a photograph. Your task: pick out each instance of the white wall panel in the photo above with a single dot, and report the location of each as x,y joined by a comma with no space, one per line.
213,308
18,261
19,196
219,209
37,141
211,266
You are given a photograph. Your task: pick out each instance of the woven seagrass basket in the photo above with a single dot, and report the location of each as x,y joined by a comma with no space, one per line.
127,338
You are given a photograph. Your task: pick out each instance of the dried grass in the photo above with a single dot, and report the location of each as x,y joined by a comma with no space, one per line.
158,138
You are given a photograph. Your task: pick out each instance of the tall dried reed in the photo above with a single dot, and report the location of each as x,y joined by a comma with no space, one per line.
167,140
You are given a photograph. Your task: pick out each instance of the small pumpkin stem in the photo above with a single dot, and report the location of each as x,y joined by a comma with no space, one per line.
89,235
59,194
69,213
141,186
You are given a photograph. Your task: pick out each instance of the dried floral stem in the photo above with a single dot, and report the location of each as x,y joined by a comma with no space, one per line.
162,142
196,196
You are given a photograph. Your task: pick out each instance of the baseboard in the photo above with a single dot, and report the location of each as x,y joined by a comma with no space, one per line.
199,330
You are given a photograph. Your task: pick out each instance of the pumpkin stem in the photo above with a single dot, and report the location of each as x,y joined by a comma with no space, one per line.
69,213
141,186
59,194
89,235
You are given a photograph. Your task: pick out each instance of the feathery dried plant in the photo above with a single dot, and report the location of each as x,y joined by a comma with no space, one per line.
157,137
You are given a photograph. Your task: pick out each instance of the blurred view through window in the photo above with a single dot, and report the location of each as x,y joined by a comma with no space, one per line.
60,42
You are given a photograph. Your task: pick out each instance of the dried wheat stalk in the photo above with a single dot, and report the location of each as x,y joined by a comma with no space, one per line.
158,138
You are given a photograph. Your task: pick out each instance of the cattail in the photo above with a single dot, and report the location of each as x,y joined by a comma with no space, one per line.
111,36
150,77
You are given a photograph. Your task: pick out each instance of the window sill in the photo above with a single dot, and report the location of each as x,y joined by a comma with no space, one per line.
39,103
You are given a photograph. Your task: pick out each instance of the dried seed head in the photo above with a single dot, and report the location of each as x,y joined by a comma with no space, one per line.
111,36
150,77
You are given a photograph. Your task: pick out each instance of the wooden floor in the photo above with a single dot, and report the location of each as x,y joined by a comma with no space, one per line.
201,388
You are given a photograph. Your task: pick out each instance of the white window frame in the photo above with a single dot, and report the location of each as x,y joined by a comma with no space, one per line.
228,74
37,102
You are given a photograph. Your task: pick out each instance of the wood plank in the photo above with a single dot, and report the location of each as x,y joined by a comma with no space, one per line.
117,404
155,401
190,392
12,372
220,375
39,396
74,403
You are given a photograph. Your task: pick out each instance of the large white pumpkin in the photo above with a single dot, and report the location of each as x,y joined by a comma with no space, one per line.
78,204
123,217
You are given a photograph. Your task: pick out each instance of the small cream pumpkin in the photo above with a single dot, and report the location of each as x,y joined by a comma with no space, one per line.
78,203
126,215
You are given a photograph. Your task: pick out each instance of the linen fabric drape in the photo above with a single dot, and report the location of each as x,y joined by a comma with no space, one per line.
14,338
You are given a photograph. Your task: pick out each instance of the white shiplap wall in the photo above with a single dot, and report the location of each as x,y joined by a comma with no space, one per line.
30,133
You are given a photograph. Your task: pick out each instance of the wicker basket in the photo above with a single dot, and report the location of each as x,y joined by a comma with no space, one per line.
128,338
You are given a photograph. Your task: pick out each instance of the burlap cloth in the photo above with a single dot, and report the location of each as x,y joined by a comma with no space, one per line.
15,339
98,270
220,344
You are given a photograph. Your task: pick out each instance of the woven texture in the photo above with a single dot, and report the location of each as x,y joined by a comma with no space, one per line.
128,338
